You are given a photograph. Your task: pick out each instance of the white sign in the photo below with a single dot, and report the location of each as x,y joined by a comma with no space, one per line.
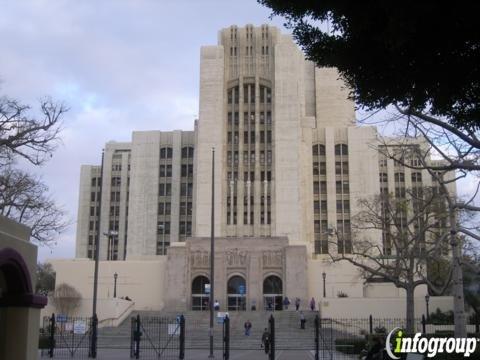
173,329
207,288
79,327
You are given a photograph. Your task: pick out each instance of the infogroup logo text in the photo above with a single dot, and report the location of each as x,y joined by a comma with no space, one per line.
429,346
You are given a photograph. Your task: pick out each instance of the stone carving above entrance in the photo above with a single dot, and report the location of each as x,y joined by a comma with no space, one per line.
236,257
272,259
200,259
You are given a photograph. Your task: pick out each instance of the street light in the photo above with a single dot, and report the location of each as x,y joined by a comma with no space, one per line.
427,299
324,276
115,276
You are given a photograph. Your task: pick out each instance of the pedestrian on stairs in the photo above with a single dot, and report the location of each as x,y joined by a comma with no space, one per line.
302,320
297,304
216,305
312,304
266,341
248,327
286,302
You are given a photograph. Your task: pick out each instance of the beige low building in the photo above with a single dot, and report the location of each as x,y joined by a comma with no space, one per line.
290,166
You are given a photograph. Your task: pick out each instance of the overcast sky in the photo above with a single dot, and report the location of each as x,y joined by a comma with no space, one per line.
120,65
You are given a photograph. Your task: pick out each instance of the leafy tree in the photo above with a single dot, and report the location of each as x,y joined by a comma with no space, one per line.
423,56
45,278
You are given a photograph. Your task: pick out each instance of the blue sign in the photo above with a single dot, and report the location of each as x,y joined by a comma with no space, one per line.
61,318
241,289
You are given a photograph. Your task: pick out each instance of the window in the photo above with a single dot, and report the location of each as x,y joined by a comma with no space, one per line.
164,208
116,181
341,167
94,181
342,187
416,177
187,170
399,177
186,208
187,152
165,170
163,227
92,211
318,149
186,189
92,196
166,153
383,177
165,189
341,149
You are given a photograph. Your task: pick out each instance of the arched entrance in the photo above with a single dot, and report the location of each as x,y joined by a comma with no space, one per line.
272,293
200,293
19,307
236,290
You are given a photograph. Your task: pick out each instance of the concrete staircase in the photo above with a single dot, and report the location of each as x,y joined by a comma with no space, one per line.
288,334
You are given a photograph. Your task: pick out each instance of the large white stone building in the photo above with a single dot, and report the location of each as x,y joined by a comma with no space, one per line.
290,165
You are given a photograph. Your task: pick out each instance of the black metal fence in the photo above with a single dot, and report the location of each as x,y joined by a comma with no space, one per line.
157,337
64,337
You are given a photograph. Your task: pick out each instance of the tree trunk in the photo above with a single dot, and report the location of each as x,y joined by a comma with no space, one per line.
410,310
457,281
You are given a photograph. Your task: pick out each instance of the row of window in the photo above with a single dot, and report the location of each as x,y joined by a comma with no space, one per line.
165,208
264,175
264,118
340,150
167,152
186,170
186,189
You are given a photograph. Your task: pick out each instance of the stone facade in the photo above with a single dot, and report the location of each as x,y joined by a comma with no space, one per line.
290,167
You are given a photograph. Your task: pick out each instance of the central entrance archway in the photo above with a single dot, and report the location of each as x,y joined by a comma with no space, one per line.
236,290
200,293
272,293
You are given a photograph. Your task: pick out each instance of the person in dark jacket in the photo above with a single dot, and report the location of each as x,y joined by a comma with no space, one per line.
266,341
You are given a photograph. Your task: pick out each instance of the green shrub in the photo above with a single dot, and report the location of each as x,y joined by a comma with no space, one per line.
350,346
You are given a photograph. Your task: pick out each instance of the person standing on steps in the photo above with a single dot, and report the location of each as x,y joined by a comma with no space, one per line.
266,341
286,302
312,304
297,304
216,305
302,320
248,327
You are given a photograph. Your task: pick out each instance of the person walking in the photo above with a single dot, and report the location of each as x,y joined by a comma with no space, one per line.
297,304
286,302
266,341
302,320
312,304
216,305
248,327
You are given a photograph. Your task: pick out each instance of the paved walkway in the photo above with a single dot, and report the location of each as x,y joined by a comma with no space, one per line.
190,354
124,354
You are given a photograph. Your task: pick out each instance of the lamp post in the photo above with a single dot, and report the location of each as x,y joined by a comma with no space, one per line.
212,255
93,342
427,299
115,276
324,276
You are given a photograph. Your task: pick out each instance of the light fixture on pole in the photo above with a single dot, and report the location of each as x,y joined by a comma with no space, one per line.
427,299
115,276
324,276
